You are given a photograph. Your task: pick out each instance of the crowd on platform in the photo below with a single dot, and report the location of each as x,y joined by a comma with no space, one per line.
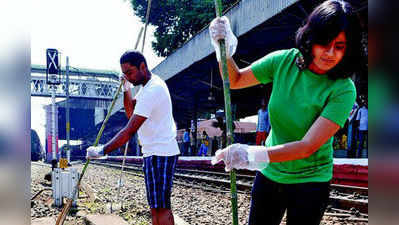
352,138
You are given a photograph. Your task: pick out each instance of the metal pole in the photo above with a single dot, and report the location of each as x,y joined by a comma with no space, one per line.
54,160
120,176
138,39
68,125
229,122
195,150
147,16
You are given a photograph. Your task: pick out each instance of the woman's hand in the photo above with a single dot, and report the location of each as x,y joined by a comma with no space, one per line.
219,29
241,156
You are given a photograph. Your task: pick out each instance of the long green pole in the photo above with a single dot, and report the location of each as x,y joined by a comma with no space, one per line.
229,121
101,129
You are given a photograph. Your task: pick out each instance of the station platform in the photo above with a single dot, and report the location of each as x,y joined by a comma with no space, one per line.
337,161
347,171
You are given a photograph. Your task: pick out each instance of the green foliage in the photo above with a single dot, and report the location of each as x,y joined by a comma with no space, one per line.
176,21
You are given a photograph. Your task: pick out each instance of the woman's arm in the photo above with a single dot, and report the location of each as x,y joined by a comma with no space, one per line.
321,130
254,157
239,78
220,29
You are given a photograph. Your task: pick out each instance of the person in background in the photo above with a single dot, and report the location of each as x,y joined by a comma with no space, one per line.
204,144
186,142
193,148
215,145
263,125
362,116
352,131
221,124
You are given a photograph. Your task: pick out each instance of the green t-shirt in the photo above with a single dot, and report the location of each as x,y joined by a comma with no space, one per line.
298,98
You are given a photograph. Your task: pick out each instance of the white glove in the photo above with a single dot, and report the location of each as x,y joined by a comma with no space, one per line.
94,152
220,29
126,84
241,156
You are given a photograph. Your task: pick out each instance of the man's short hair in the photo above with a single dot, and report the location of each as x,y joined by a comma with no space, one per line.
134,58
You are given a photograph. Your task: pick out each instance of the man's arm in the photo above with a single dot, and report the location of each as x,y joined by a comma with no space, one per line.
125,134
129,103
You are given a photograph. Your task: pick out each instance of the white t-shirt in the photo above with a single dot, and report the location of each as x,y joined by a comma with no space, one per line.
157,134
362,115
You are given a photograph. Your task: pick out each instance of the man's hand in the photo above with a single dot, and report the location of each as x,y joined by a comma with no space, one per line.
220,29
95,152
126,84
241,156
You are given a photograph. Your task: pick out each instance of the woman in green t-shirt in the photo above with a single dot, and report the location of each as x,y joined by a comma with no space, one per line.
311,98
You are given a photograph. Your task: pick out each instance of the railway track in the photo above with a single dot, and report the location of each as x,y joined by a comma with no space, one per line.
348,205
353,200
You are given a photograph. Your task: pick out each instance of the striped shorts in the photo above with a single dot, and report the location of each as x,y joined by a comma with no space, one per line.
158,176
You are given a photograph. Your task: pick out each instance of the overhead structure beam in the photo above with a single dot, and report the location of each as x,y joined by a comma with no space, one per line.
245,16
73,71
83,88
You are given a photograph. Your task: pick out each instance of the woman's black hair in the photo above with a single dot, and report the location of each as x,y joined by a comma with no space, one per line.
322,26
135,58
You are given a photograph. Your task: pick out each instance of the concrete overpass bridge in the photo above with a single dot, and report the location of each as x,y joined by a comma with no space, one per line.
83,83
91,92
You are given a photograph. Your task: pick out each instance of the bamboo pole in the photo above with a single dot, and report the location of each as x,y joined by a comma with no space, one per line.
65,210
229,122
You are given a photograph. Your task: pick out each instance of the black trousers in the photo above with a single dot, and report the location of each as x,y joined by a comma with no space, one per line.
186,146
305,202
363,135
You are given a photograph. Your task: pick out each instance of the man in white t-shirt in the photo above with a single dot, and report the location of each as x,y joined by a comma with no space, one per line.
150,115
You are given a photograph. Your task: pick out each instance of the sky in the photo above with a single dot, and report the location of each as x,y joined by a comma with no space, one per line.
92,33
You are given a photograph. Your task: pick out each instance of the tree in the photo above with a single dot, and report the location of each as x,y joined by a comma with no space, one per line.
176,21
